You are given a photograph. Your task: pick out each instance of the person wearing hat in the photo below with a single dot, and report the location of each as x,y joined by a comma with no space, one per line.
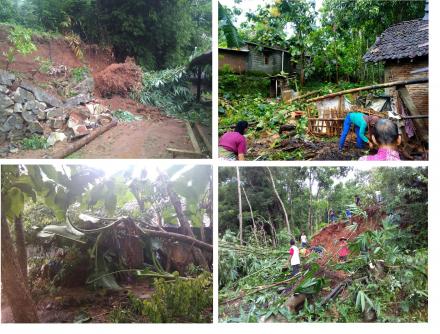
343,249
361,124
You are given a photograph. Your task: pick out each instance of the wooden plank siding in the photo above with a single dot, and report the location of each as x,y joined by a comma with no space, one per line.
236,60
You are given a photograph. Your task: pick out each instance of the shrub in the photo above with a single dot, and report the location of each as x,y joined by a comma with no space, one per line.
35,142
177,301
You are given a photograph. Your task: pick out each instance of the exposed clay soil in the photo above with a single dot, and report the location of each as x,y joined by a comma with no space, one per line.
58,51
73,304
119,79
143,139
148,138
330,235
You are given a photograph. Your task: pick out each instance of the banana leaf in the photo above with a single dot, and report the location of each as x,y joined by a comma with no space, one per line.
62,231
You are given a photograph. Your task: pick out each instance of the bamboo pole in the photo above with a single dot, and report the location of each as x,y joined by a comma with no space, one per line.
379,86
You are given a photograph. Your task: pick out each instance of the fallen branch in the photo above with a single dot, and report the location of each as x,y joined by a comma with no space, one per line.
193,138
175,151
336,291
305,95
379,86
73,147
263,287
179,237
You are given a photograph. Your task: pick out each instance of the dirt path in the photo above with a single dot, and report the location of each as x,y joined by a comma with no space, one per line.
137,140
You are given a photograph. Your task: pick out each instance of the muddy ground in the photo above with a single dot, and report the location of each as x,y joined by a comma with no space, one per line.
79,304
146,138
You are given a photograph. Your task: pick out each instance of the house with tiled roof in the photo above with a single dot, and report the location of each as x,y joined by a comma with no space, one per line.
404,49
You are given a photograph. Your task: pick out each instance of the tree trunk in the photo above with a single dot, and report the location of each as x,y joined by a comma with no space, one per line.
281,202
184,223
179,237
254,227
13,283
240,212
21,246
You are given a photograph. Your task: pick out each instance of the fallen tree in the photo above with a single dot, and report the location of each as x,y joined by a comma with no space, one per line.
73,147
360,89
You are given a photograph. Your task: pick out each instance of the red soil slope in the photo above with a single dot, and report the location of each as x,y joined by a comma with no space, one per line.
330,235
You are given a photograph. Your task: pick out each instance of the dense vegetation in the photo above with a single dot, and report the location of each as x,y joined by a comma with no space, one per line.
326,49
159,34
328,45
100,231
386,271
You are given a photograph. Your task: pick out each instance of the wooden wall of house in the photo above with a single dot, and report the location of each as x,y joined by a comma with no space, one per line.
237,61
256,60
395,71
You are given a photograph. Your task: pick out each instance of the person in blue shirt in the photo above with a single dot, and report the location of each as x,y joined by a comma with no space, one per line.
361,123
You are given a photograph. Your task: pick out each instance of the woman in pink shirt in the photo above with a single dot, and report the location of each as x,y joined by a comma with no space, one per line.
343,249
386,136
232,145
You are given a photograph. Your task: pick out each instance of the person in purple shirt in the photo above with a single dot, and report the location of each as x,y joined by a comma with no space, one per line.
386,136
232,145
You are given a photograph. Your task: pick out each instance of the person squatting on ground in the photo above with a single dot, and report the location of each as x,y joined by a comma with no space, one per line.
232,145
386,136
361,123
303,240
294,260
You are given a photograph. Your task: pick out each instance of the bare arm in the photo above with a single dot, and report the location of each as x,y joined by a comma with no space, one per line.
241,156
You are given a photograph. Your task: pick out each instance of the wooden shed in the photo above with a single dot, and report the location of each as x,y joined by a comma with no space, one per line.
257,58
404,49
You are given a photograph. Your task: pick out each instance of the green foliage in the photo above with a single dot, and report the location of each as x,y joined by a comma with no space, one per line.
21,40
34,142
45,64
125,116
80,73
332,48
167,89
388,266
231,85
158,34
171,301
227,28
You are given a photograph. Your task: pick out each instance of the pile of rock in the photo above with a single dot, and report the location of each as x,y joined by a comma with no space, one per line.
26,109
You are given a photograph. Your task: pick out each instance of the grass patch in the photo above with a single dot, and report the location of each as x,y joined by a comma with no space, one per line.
35,142
125,116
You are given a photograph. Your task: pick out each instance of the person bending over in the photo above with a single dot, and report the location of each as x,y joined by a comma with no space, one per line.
361,123
386,136
232,145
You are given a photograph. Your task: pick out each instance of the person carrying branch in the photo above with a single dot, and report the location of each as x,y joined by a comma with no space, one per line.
386,136
294,259
361,123
232,145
